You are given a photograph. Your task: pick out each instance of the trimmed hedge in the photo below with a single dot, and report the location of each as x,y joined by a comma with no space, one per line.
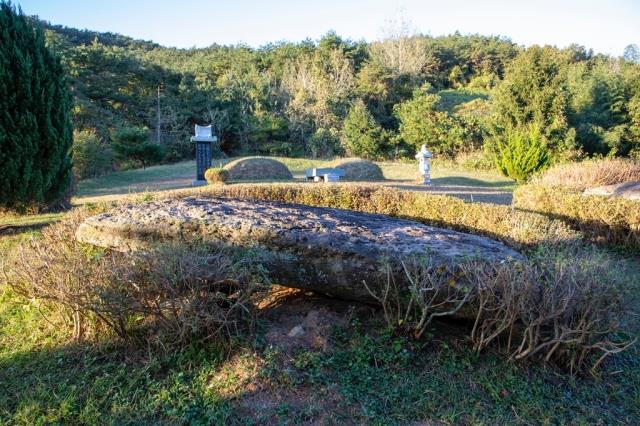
216,175
611,221
516,228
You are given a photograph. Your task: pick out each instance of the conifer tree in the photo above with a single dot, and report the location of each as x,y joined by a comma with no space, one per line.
35,124
362,135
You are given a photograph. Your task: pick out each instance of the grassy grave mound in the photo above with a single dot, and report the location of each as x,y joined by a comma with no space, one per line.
590,174
357,169
257,168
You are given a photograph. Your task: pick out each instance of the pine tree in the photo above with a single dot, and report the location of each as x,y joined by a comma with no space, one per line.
362,135
132,144
35,124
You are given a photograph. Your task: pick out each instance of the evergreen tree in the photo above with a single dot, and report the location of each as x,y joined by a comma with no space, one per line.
362,135
132,144
422,124
35,124
534,92
523,154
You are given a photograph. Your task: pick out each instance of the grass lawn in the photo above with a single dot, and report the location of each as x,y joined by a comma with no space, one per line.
361,376
180,175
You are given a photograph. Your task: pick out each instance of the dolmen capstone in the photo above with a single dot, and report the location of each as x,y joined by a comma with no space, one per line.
328,250
628,190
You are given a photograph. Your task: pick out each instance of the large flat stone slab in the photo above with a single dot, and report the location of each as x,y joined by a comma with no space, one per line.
328,250
629,190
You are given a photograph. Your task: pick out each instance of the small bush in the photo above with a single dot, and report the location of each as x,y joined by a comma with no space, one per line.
566,307
357,169
610,221
172,294
523,154
590,173
257,168
216,175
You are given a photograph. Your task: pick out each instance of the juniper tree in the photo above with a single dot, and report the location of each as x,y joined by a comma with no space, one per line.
35,125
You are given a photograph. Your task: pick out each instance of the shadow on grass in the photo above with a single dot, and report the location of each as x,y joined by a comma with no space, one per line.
466,181
617,237
19,229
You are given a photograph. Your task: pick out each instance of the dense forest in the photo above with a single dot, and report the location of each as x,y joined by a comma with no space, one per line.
456,93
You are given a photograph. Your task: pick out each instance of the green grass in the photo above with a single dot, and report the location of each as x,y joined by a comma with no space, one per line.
28,220
367,378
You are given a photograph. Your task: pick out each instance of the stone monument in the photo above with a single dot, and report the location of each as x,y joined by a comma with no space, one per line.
424,167
204,140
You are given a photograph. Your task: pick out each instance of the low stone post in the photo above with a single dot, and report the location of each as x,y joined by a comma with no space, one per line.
424,167
203,139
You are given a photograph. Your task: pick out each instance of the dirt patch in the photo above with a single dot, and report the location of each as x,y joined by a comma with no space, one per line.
295,319
259,386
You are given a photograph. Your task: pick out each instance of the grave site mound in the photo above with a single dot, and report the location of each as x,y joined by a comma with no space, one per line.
257,168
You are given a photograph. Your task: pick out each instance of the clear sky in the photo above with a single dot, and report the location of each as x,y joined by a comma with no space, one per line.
607,26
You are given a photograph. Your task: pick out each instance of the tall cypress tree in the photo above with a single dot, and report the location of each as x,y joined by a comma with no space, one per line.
35,124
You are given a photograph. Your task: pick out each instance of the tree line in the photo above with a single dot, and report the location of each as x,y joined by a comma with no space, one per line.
378,100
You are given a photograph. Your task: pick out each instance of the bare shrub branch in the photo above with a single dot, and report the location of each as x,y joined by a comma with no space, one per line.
172,294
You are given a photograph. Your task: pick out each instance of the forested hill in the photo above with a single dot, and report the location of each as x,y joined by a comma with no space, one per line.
334,96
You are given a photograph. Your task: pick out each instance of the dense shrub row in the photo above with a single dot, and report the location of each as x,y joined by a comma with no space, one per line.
612,221
590,173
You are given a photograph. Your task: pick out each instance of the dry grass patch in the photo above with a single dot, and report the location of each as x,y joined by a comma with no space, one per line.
589,174
257,168
569,307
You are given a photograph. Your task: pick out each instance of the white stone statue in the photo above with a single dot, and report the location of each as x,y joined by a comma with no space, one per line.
424,168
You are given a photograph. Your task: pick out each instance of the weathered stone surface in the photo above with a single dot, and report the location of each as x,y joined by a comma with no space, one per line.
327,250
629,190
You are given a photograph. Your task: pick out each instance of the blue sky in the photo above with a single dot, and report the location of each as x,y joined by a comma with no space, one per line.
605,26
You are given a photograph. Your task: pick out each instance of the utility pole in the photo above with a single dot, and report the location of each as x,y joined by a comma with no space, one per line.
158,118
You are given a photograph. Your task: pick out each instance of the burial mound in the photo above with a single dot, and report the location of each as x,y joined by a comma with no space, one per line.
257,168
328,250
357,169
